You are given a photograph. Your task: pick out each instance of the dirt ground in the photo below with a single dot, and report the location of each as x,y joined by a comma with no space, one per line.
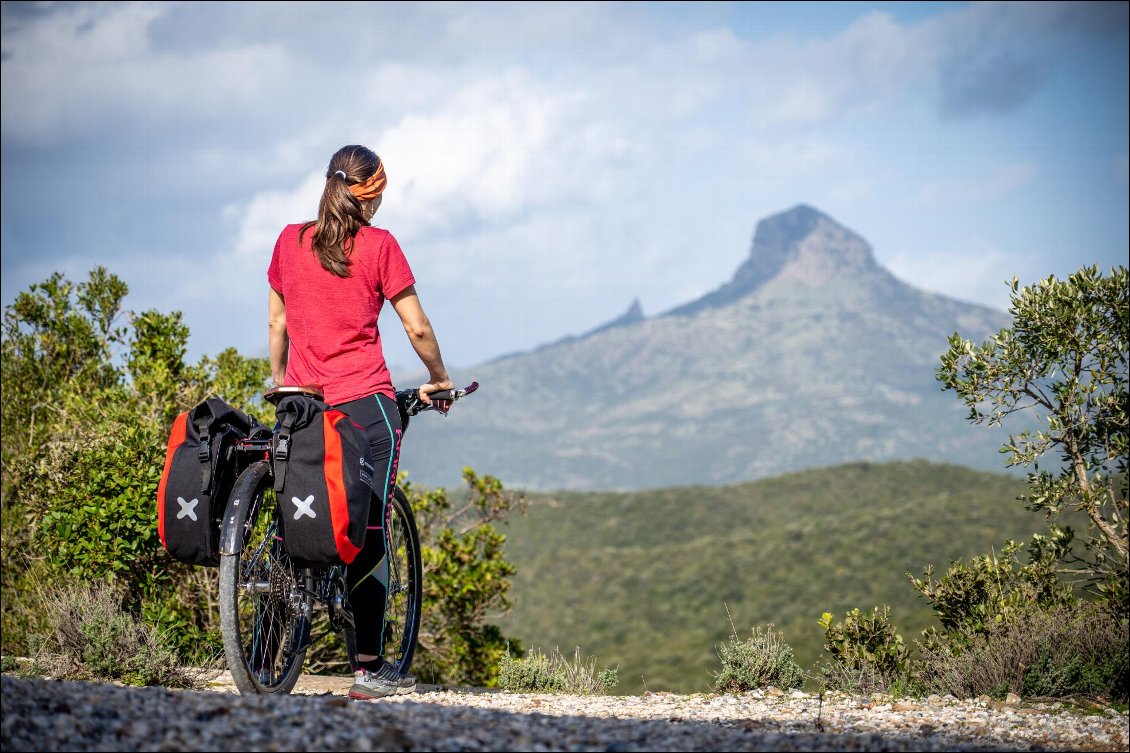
322,685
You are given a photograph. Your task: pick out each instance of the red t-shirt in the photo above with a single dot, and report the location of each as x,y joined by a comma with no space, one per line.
331,320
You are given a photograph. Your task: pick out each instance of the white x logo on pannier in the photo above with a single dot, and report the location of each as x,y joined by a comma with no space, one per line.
303,507
187,509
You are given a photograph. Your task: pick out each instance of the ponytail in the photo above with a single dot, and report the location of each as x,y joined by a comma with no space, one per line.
339,211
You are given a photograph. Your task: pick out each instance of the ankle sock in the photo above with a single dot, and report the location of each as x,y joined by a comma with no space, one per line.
369,666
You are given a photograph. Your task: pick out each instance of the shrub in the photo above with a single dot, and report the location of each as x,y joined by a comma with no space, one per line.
93,638
466,579
761,660
1060,652
79,484
538,673
866,653
970,599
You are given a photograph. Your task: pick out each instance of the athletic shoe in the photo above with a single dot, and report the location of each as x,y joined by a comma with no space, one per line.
385,681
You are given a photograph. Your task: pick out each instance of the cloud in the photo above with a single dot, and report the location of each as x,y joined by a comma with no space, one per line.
92,66
260,220
807,153
975,273
995,57
485,155
1003,181
996,84
982,59
534,155
814,81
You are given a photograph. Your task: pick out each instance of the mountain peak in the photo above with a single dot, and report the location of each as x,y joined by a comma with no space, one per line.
822,357
631,316
799,243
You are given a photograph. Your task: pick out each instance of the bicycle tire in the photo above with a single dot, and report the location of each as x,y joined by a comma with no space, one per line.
265,602
403,609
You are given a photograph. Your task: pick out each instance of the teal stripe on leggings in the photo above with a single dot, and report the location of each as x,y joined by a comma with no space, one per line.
379,572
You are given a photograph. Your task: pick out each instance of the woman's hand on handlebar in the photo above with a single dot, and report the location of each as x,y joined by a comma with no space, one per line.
436,385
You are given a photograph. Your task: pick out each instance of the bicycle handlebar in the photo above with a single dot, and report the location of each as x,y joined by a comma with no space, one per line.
411,404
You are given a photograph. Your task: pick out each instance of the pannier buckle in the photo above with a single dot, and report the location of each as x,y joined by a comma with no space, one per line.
283,447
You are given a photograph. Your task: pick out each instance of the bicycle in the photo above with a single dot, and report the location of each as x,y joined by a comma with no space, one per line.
267,603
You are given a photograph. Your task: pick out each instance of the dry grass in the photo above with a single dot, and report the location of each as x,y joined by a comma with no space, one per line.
1070,651
92,638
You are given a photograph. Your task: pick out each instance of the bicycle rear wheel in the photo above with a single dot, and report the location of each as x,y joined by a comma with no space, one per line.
405,583
265,601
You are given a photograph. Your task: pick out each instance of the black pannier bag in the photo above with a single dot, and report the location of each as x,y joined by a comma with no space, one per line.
200,469
323,470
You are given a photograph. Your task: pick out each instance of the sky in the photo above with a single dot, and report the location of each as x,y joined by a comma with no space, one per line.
548,163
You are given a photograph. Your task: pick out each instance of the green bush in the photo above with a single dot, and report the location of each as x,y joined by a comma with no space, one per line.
971,599
91,511
93,496
80,484
466,579
539,673
759,661
866,654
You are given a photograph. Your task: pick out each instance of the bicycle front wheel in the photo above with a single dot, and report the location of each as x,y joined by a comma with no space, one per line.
405,583
265,600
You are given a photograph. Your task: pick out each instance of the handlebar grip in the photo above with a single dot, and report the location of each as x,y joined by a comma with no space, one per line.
442,395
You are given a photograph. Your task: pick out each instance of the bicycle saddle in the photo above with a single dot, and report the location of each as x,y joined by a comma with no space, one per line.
275,394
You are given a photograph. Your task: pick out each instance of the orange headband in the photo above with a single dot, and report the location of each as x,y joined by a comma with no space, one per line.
371,188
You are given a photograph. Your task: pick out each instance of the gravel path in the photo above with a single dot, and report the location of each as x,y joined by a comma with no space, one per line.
49,715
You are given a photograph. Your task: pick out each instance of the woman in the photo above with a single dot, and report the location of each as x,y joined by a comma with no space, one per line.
329,278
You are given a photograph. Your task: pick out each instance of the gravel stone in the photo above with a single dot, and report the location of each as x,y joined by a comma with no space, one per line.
48,715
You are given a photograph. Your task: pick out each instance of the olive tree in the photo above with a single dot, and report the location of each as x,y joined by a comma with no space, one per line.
1064,359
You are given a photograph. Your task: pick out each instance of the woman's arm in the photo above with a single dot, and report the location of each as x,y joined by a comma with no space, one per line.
423,339
280,343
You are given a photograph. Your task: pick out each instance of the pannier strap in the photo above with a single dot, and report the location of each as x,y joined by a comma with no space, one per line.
204,453
282,449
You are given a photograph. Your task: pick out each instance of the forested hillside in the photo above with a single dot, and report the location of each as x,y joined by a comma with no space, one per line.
643,580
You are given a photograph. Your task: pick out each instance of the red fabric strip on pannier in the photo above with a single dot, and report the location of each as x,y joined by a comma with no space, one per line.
176,439
335,487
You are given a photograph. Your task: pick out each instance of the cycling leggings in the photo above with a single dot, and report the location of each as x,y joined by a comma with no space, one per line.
367,576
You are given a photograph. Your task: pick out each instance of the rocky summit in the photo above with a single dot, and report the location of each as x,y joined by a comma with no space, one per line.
811,355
